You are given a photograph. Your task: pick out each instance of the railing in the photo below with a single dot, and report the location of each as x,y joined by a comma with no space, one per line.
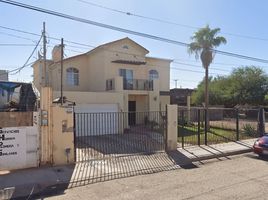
137,84
110,84
224,125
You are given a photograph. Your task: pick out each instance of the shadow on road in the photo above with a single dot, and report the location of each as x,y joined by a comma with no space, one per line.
181,160
53,181
254,156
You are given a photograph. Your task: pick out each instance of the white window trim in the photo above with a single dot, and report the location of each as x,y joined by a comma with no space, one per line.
71,77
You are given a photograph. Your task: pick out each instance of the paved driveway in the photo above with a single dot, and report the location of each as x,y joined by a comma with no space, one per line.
238,177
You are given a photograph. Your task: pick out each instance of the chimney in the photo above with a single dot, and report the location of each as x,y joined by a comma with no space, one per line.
56,53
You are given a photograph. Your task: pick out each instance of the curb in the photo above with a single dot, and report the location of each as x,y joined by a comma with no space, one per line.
231,153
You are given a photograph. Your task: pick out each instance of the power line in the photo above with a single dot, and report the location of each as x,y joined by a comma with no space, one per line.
218,69
51,12
213,63
195,71
14,73
21,31
81,44
71,42
17,45
174,62
240,56
17,70
75,51
13,70
86,46
183,80
35,34
177,60
16,36
82,20
25,64
166,21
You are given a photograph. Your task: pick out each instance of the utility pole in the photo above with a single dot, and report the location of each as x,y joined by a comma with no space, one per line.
61,72
44,71
176,80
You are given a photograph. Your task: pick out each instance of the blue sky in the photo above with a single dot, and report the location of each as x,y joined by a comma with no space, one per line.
243,17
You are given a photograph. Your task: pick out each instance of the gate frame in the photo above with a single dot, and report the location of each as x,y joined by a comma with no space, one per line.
157,115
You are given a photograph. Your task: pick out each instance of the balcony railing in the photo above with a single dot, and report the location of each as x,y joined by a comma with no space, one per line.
131,84
137,84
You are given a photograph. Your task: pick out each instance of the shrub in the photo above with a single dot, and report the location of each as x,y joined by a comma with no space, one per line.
249,130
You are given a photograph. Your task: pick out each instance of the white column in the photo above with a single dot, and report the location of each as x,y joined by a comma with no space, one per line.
172,127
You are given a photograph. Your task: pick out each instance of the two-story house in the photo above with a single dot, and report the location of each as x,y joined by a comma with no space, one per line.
117,76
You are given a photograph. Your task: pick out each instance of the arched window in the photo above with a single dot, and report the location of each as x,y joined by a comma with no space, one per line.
153,74
72,77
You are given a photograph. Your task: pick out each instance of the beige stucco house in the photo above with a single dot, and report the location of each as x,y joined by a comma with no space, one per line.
117,76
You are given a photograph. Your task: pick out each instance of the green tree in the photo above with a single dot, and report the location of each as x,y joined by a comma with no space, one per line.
245,85
249,85
204,41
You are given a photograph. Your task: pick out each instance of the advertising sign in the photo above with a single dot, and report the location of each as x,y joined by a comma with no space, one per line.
12,147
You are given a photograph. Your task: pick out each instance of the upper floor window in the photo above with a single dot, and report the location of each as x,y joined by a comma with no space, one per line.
153,74
72,76
126,73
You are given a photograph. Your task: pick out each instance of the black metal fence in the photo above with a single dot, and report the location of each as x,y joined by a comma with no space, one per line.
106,135
224,125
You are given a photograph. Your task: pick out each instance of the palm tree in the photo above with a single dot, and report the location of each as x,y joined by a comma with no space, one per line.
204,42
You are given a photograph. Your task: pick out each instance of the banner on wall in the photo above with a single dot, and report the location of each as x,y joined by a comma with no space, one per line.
12,147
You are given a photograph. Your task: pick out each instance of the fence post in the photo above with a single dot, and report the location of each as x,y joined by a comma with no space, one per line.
172,127
237,125
198,119
206,127
74,132
182,132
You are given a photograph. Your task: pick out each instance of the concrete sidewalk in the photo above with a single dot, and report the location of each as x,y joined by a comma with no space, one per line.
203,152
50,180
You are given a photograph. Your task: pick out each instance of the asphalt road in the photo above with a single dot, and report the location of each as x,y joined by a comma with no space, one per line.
238,177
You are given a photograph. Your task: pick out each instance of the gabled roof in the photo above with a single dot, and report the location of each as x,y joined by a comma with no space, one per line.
107,45
116,41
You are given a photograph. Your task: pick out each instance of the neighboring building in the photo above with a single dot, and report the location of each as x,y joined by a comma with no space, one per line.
16,96
3,93
179,96
3,75
117,76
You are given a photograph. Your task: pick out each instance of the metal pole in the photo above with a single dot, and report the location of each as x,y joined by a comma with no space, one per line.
74,132
61,73
44,72
237,124
206,127
166,127
198,119
176,80
182,132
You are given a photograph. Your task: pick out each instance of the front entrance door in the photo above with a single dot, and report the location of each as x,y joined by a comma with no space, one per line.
131,113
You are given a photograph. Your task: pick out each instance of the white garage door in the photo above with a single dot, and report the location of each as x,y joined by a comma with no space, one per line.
96,119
